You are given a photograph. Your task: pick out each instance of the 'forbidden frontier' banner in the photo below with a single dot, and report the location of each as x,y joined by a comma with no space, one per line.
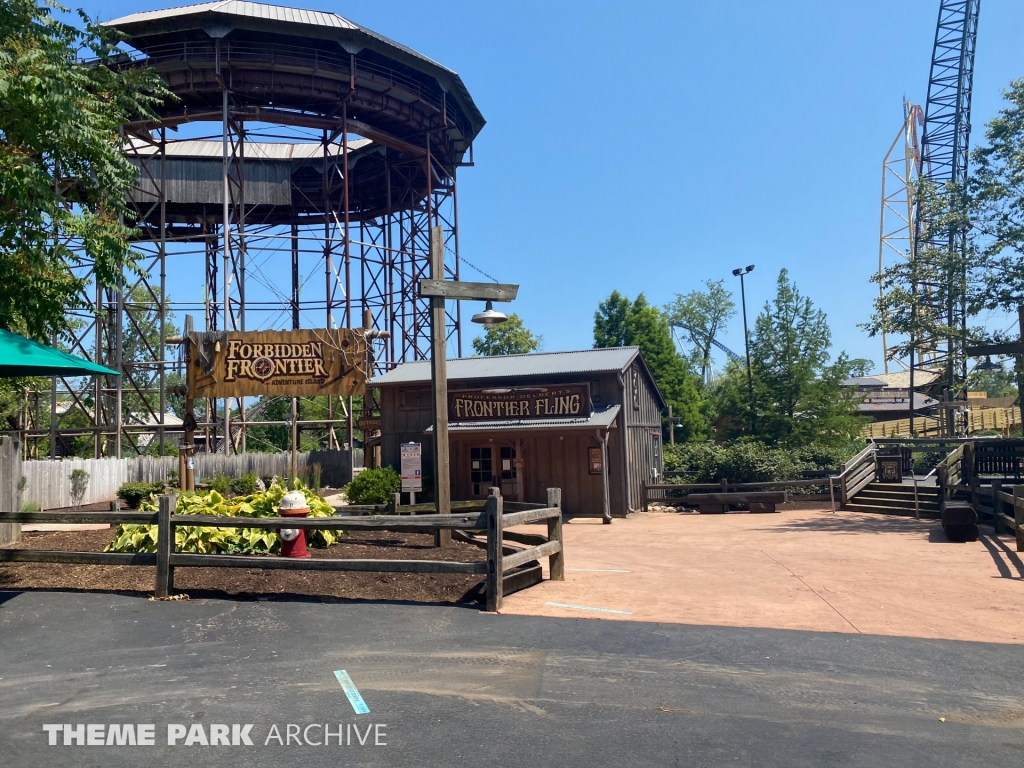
299,363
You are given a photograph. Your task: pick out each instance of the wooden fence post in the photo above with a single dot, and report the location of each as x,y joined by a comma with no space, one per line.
556,562
164,546
997,505
493,509
1018,515
643,506
394,503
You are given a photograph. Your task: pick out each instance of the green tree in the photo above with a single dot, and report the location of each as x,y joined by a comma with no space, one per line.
63,177
610,321
798,396
508,338
638,323
993,383
702,315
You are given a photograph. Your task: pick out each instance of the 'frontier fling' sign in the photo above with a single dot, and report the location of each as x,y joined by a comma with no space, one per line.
549,402
292,363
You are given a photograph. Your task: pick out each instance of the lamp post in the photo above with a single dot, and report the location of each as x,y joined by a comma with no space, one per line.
741,273
437,289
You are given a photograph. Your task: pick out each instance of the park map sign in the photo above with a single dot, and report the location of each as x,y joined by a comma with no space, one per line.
566,401
299,363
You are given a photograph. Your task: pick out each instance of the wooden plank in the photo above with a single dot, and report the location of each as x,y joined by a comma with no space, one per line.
495,554
421,523
82,558
534,553
741,486
530,539
467,291
1010,522
522,579
187,560
1018,515
556,561
530,516
78,518
514,506
164,547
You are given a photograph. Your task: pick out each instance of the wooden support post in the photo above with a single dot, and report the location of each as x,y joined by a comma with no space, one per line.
556,562
439,384
997,505
495,554
1018,515
394,503
164,546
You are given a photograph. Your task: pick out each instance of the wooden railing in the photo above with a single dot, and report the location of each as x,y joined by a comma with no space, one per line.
855,474
995,508
489,516
954,469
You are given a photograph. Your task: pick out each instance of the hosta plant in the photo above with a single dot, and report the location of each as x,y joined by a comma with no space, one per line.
208,539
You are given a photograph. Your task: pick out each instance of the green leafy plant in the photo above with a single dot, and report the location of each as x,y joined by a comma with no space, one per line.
133,494
245,485
373,486
315,475
209,539
220,483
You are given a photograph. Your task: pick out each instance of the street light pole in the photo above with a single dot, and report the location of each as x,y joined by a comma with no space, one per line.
741,273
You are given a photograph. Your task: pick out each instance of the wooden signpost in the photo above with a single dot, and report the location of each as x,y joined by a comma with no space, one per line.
437,289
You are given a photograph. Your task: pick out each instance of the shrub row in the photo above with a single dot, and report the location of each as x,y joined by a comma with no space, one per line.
747,461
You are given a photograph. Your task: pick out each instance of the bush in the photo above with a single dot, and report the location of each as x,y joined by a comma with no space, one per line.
79,485
220,483
246,485
373,486
133,494
208,539
748,461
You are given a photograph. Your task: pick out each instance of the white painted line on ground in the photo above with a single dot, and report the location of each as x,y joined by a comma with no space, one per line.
588,608
354,697
599,570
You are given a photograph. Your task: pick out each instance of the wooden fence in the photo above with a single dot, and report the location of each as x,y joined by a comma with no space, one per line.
503,567
992,502
978,419
48,484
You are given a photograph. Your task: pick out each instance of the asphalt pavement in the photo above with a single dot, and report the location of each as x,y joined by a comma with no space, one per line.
450,686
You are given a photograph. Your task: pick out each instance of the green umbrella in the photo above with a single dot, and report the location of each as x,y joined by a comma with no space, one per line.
23,357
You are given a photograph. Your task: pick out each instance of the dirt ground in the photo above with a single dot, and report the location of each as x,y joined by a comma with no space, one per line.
214,582
804,569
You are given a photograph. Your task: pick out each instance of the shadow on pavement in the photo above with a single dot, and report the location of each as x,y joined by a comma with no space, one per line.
844,523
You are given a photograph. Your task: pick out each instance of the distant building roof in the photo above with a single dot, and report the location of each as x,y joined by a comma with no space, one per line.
603,418
515,366
864,382
901,379
884,401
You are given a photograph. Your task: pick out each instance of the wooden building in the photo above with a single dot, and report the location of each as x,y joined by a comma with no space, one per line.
588,422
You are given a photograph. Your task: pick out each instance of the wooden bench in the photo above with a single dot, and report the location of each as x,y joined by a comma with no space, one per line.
718,503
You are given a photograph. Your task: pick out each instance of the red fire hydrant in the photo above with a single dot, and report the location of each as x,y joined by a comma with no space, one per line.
293,540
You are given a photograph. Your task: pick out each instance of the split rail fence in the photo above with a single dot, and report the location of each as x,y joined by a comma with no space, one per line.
506,568
991,502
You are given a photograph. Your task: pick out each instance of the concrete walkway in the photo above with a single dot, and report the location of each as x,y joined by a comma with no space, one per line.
803,570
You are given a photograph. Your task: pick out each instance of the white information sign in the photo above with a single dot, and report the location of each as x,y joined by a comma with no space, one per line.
412,467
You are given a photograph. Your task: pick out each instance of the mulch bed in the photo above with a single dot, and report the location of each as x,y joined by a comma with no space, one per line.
250,583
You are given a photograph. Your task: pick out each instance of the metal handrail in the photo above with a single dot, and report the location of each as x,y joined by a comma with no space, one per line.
917,503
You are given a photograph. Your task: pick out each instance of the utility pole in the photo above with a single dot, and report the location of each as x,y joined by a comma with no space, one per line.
740,273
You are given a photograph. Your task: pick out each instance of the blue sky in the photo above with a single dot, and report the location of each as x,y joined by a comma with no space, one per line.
649,146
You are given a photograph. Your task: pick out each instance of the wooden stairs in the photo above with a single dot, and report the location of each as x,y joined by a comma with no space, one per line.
895,499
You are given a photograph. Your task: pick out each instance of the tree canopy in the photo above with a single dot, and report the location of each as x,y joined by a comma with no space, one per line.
619,322
64,180
509,338
702,316
797,394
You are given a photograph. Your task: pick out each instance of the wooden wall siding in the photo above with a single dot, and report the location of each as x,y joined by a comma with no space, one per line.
48,483
201,181
642,416
10,475
632,448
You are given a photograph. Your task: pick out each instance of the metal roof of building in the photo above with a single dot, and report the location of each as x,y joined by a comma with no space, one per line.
864,381
899,379
254,150
515,366
264,12
599,419
884,402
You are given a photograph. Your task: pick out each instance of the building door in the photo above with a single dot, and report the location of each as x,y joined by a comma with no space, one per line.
509,473
481,471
